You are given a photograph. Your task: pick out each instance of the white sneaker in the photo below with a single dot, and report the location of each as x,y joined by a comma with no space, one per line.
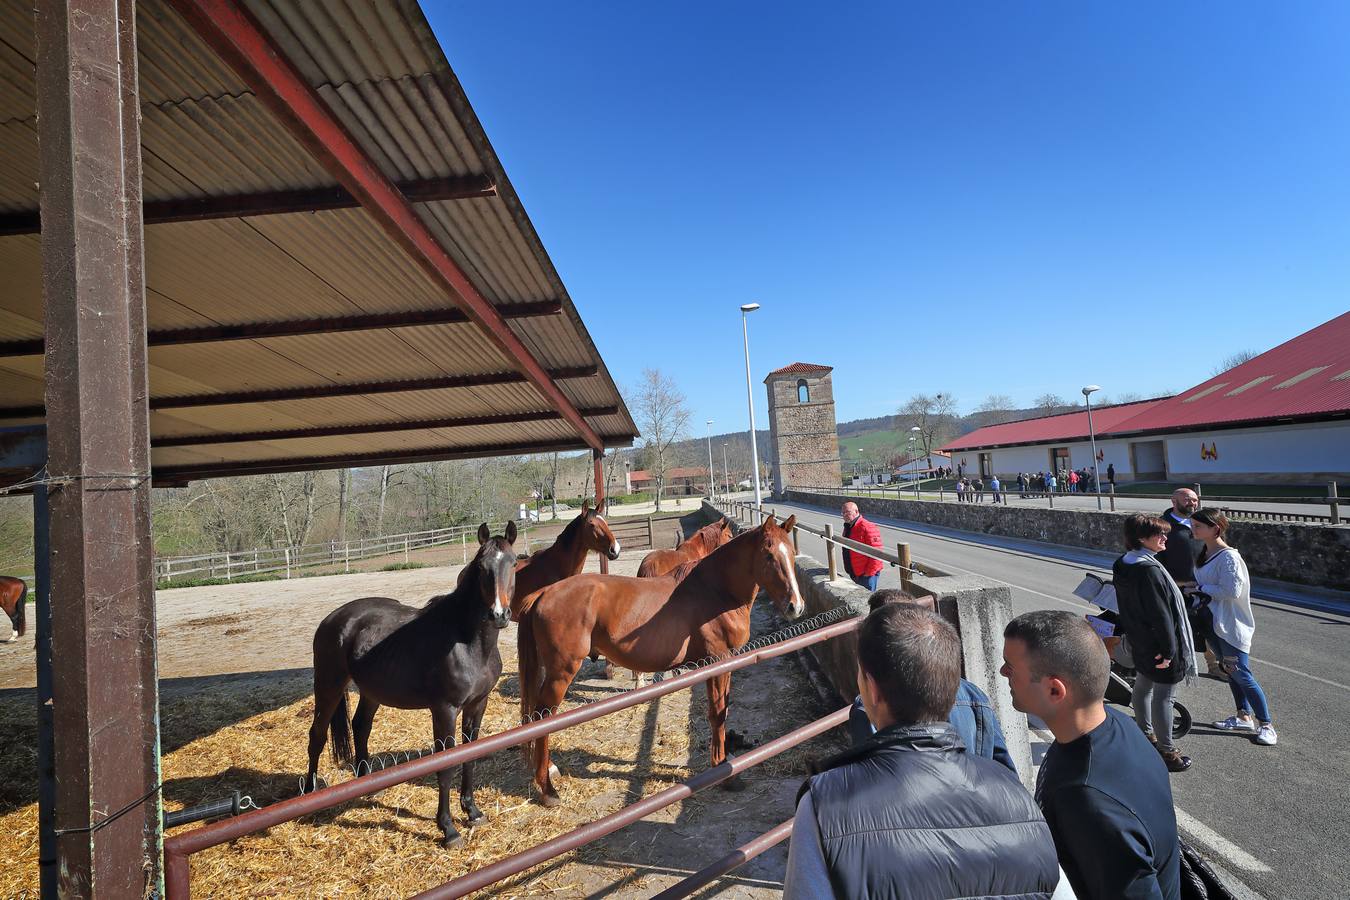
1267,735
1236,723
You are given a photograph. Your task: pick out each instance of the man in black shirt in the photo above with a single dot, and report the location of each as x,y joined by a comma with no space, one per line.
1102,787
1178,558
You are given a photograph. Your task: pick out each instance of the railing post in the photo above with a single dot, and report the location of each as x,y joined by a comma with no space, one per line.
829,549
1332,497
1196,488
796,542
346,557
229,571
651,534
1113,498
405,551
1050,495
906,563
288,562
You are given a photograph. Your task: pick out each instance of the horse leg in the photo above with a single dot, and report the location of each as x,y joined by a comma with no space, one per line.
443,726
719,697
328,696
550,696
473,717
361,722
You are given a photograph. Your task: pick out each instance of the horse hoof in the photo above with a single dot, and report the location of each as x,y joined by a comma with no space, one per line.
475,815
735,784
609,672
549,800
452,842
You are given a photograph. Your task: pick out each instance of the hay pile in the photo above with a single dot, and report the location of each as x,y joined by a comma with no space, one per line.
249,733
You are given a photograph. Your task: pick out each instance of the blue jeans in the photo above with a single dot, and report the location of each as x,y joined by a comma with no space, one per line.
1247,692
867,581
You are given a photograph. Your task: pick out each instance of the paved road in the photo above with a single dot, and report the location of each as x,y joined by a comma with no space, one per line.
1279,817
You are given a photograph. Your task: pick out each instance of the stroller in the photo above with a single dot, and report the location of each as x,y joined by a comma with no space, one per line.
1101,592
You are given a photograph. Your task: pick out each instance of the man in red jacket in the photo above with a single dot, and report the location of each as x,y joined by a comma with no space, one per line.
862,569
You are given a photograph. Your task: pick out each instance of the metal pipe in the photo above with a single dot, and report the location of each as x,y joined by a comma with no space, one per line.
750,398
736,858
481,878
207,836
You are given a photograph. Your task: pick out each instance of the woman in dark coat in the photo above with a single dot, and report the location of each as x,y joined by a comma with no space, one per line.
1153,617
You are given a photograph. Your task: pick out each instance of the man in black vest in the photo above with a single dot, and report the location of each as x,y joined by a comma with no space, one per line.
1178,558
907,813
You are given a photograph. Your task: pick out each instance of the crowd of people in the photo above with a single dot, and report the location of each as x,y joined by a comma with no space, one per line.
927,801
1061,481
972,490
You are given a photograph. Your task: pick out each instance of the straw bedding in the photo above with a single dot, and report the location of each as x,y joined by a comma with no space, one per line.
249,732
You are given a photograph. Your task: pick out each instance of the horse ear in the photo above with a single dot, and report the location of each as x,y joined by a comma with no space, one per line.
585,505
768,520
511,531
790,523
483,533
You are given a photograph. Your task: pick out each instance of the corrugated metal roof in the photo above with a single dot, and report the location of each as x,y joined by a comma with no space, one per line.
204,134
1063,427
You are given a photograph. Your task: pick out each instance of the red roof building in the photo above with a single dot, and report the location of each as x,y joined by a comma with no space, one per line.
1283,416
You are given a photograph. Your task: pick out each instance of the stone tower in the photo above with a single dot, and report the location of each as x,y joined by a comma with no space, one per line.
804,446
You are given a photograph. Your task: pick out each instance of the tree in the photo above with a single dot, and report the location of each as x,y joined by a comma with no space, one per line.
996,409
1129,397
1233,360
663,420
935,416
1049,404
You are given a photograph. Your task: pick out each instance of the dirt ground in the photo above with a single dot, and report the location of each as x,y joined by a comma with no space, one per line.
236,701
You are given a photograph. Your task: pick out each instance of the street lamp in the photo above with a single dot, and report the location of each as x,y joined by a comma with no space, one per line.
1096,473
914,436
726,472
746,309
712,492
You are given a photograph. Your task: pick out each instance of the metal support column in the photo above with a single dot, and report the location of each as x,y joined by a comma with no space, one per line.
42,576
104,696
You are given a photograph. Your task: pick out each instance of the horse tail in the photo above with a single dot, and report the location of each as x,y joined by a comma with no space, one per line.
20,615
527,656
340,729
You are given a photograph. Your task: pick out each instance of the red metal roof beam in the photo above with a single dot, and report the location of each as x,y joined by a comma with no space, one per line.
272,203
242,44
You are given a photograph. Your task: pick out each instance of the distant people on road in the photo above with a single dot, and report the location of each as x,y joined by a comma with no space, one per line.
1111,474
1021,484
908,813
979,489
861,568
960,490
1050,483
995,487
1221,574
1104,792
972,714
1073,481
1153,617
1183,548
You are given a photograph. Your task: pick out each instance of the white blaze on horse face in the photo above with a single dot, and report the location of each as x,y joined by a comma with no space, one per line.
795,602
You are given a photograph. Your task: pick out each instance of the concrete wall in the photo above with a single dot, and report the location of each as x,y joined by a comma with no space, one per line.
1317,555
978,607
1292,453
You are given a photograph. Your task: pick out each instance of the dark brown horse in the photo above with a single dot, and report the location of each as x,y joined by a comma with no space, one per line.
651,625
442,657
14,600
704,541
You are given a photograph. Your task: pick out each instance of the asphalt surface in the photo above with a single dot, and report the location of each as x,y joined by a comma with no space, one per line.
1278,818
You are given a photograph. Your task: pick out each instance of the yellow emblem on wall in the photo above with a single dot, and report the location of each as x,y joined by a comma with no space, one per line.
1210,452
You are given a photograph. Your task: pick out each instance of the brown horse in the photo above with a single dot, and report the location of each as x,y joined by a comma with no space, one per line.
651,625
13,600
442,657
704,541
565,557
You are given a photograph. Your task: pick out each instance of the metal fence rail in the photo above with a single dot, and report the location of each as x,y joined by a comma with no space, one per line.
179,848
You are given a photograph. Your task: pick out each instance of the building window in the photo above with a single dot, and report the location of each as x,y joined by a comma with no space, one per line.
803,392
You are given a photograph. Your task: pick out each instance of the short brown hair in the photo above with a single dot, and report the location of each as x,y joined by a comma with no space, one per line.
1213,518
1139,528
1063,645
914,656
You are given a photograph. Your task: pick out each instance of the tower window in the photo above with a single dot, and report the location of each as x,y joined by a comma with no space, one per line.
803,392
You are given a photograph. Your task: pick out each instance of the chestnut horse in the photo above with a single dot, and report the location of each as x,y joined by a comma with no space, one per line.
442,657
704,541
13,600
651,625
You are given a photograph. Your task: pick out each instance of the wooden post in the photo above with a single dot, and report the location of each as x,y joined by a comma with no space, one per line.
464,546
1332,502
346,556
1050,495
229,570
796,542
405,551
1113,498
906,572
288,562
651,534
1196,488
829,549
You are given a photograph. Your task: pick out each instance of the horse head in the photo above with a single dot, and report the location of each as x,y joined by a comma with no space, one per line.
775,569
595,531
497,572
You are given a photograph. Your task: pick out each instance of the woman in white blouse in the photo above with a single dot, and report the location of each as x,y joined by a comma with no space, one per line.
1222,574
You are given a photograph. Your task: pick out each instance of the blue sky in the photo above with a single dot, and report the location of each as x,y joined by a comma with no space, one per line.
975,198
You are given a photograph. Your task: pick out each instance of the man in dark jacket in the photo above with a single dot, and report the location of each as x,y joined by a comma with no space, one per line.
1183,549
908,813
864,570
1103,790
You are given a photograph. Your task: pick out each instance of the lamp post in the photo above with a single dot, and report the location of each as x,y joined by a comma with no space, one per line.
746,309
914,436
712,492
726,472
1092,434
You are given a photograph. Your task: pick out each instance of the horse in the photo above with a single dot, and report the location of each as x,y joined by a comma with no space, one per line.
704,541
14,601
442,657
651,625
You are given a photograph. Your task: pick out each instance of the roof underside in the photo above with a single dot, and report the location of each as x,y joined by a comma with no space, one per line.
336,349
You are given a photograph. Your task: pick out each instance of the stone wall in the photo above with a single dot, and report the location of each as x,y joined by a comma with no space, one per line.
803,441
1317,555
978,607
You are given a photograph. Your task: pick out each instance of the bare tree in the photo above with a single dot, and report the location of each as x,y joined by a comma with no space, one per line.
996,409
663,419
1049,404
1233,360
1129,397
935,416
